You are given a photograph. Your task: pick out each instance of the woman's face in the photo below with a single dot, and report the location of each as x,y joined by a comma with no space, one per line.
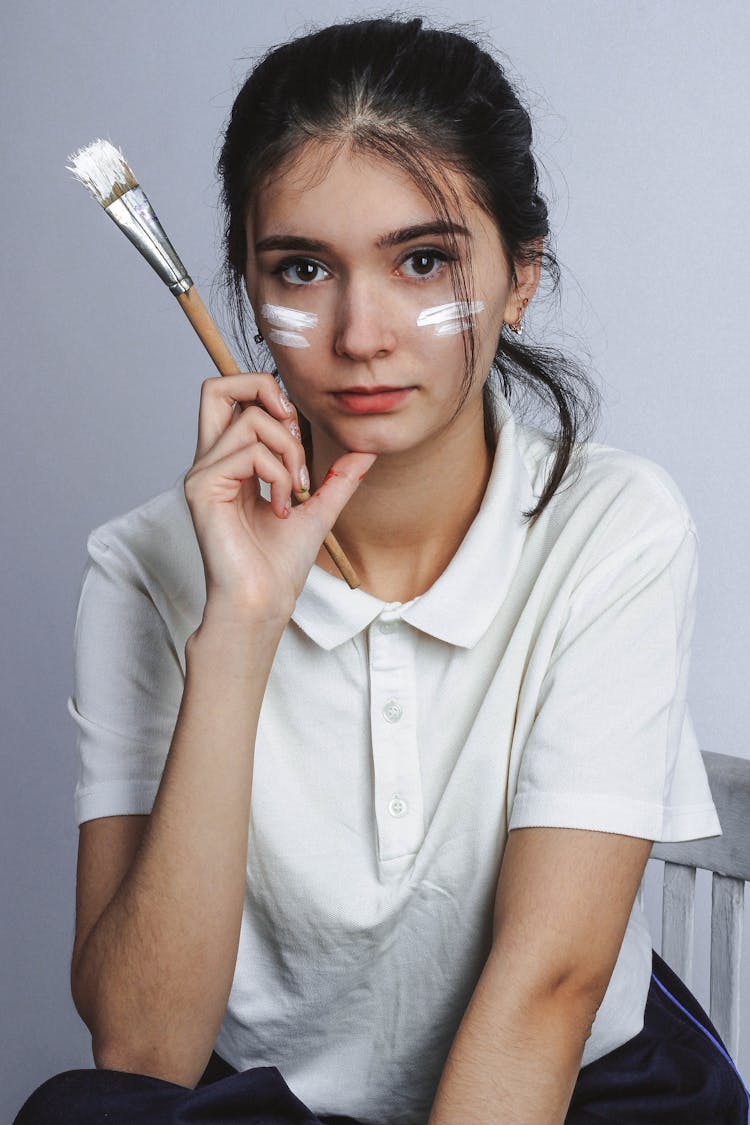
348,275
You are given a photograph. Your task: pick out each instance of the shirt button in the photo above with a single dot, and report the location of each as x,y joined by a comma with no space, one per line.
397,807
392,711
388,626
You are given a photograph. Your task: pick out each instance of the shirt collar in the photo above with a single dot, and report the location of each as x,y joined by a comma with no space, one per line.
459,607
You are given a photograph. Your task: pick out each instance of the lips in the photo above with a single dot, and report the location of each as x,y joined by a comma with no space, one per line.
371,400
370,390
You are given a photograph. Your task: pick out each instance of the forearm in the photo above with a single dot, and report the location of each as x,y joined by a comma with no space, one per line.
153,976
515,1058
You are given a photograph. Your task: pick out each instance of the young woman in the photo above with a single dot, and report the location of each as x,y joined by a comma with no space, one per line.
379,847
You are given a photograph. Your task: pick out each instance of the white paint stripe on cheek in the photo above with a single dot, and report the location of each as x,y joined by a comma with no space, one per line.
292,319
456,316
288,339
451,327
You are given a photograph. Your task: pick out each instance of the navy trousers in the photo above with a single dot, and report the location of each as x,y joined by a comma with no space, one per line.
676,1071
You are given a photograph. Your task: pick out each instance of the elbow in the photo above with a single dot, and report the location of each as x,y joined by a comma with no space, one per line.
571,996
109,1054
122,1054
135,1051
116,1053
80,991
581,1003
153,1047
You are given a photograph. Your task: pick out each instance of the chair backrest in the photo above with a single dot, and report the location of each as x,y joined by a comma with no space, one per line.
728,857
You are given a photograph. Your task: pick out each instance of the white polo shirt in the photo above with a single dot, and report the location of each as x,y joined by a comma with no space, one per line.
540,681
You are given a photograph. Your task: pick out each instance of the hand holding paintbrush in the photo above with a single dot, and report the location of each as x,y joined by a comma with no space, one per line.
102,168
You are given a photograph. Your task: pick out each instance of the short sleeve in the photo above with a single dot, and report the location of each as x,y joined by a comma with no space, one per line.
612,747
127,691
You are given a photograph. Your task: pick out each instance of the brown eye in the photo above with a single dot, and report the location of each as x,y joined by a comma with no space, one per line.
424,263
305,271
300,271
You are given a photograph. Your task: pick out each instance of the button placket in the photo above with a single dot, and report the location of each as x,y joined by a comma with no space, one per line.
398,785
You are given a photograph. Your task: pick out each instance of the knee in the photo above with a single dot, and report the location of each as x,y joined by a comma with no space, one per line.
59,1100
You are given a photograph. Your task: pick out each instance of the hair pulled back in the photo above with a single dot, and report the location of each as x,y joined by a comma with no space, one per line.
427,100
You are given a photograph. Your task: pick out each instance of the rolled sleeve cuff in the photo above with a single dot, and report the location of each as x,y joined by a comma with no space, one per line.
114,798
611,814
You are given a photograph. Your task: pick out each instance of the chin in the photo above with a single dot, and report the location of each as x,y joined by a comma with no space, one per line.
377,436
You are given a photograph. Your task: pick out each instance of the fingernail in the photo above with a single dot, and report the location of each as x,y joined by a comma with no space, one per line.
304,479
286,405
287,507
295,431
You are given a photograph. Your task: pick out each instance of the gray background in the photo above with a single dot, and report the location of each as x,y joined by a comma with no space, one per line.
641,112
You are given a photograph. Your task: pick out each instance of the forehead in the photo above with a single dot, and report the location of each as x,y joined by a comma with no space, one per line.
333,189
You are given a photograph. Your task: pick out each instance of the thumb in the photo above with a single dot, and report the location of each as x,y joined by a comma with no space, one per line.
339,485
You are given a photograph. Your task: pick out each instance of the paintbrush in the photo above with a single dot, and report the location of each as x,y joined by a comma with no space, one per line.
103,169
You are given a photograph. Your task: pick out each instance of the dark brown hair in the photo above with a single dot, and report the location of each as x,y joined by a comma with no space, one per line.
427,100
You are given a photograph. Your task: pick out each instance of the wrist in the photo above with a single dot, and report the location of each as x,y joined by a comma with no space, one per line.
244,612
227,626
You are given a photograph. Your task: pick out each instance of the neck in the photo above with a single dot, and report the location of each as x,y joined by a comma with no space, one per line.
409,515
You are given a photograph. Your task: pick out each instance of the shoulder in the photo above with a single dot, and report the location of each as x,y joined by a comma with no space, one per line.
611,503
602,480
153,546
618,479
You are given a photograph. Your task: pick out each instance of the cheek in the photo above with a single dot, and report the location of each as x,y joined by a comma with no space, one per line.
428,347
301,365
442,330
286,326
449,318
295,365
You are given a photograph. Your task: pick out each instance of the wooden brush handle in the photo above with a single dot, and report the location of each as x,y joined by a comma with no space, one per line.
209,335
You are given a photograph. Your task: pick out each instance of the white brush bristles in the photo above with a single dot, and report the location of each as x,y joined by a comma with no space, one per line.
102,169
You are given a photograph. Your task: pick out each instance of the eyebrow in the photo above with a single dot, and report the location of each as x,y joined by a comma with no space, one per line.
394,238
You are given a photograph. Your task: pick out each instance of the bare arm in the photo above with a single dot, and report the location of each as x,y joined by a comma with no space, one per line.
563,902
160,898
151,977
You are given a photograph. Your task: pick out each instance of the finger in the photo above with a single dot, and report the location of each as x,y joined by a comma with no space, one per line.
220,483
219,395
341,482
256,425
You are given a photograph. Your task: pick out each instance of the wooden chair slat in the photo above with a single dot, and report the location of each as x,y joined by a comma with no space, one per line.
727,910
728,858
677,920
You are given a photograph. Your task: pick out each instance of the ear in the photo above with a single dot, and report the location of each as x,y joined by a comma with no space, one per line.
526,280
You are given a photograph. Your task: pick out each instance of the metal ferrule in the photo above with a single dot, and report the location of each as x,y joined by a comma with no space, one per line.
137,220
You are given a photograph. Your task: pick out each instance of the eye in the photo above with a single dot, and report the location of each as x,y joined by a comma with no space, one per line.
424,263
300,271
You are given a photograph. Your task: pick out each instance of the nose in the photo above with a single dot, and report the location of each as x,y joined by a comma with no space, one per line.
364,322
